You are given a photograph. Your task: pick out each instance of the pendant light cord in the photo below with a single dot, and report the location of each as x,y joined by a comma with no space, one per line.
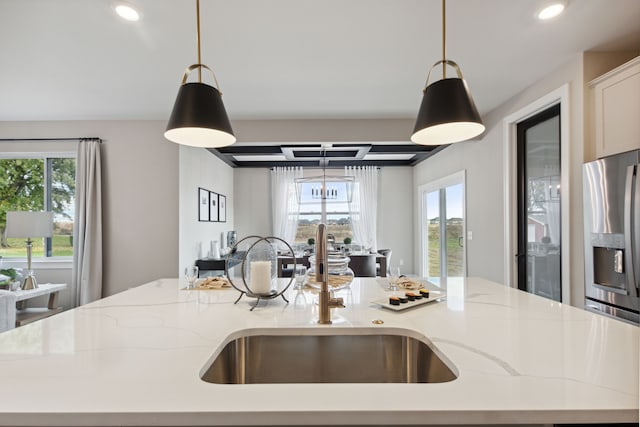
444,41
324,173
198,39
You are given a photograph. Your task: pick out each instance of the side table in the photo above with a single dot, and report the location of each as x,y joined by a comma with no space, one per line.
217,265
26,315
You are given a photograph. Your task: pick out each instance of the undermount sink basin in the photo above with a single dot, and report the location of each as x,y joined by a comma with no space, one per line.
316,356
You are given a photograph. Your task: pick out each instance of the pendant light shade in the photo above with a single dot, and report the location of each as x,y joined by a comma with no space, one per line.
199,118
447,113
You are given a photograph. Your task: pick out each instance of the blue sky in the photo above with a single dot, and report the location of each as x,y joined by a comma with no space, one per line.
454,196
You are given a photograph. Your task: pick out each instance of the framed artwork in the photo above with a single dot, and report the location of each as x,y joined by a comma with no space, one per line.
213,206
222,208
203,204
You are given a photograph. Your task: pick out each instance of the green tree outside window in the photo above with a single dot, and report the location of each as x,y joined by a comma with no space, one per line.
37,185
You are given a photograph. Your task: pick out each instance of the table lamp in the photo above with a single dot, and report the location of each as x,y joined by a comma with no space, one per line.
29,224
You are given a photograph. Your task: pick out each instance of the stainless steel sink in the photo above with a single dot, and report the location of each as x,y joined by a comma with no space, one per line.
345,357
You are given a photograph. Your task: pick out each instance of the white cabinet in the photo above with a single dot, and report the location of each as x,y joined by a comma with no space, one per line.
617,109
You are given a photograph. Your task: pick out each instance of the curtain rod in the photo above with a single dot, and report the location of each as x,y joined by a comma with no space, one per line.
80,139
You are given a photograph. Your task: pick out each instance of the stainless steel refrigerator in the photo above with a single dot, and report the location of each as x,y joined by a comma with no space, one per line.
612,236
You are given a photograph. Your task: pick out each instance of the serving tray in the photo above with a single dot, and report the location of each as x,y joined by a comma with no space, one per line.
433,296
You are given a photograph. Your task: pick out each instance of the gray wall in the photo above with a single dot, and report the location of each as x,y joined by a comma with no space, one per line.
252,202
484,212
396,216
140,198
200,168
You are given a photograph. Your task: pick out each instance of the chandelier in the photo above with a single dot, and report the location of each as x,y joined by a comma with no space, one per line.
322,192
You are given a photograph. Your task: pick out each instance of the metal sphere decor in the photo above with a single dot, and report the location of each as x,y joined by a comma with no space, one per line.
251,268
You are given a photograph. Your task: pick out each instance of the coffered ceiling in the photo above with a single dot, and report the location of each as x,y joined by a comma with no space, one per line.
288,59
333,155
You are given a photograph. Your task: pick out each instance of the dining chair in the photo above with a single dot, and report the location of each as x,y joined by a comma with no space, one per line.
387,254
363,265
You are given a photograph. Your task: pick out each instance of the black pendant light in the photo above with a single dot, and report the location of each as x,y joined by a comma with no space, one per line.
447,113
198,118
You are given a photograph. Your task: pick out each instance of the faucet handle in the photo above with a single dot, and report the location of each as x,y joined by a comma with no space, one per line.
336,303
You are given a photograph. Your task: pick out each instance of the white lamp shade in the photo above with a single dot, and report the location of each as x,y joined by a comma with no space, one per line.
29,224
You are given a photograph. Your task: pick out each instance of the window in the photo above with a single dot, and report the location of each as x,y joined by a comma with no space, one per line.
336,213
39,183
443,228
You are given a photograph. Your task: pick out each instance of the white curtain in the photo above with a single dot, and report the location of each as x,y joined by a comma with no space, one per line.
284,202
87,227
364,205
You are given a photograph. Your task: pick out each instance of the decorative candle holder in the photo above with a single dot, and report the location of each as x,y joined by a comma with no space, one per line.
254,260
339,275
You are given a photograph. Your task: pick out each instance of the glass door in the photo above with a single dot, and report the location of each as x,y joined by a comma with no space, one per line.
433,232
539,231
454,230
443,228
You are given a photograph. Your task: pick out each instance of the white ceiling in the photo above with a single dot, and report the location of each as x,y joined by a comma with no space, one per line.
75,59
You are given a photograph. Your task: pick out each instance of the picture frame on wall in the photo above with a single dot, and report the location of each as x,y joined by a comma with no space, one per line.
203,204
213,206
222,208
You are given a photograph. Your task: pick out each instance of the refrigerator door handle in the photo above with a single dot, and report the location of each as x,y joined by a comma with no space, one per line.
630,200
635,243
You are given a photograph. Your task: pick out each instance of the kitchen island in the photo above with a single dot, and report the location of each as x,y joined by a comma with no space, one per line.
136,358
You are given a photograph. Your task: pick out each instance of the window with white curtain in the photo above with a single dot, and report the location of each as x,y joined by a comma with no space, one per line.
336,216
364,205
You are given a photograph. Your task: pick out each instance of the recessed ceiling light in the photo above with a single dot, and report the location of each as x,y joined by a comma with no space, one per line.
127,12
551,11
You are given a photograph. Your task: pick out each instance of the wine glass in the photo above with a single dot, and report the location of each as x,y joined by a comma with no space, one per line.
394,275
191,274
301,274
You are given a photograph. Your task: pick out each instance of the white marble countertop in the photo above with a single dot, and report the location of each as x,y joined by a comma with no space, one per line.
135,358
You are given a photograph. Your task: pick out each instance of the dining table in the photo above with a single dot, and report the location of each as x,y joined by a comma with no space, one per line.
284,261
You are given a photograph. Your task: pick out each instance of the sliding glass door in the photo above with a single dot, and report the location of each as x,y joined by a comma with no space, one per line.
443,228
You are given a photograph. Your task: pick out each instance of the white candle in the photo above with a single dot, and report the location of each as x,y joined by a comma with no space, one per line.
260,277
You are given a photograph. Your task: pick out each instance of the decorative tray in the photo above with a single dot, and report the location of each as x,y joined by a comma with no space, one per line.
433,296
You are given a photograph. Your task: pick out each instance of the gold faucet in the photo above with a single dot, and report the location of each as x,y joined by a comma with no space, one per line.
322,276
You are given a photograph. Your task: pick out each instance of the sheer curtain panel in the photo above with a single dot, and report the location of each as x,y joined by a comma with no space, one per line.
284,202
364,205
87,228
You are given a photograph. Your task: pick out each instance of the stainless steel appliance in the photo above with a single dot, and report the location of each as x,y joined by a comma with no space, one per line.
612,235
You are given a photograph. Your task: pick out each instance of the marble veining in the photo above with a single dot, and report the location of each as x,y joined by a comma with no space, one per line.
135,358
504,365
